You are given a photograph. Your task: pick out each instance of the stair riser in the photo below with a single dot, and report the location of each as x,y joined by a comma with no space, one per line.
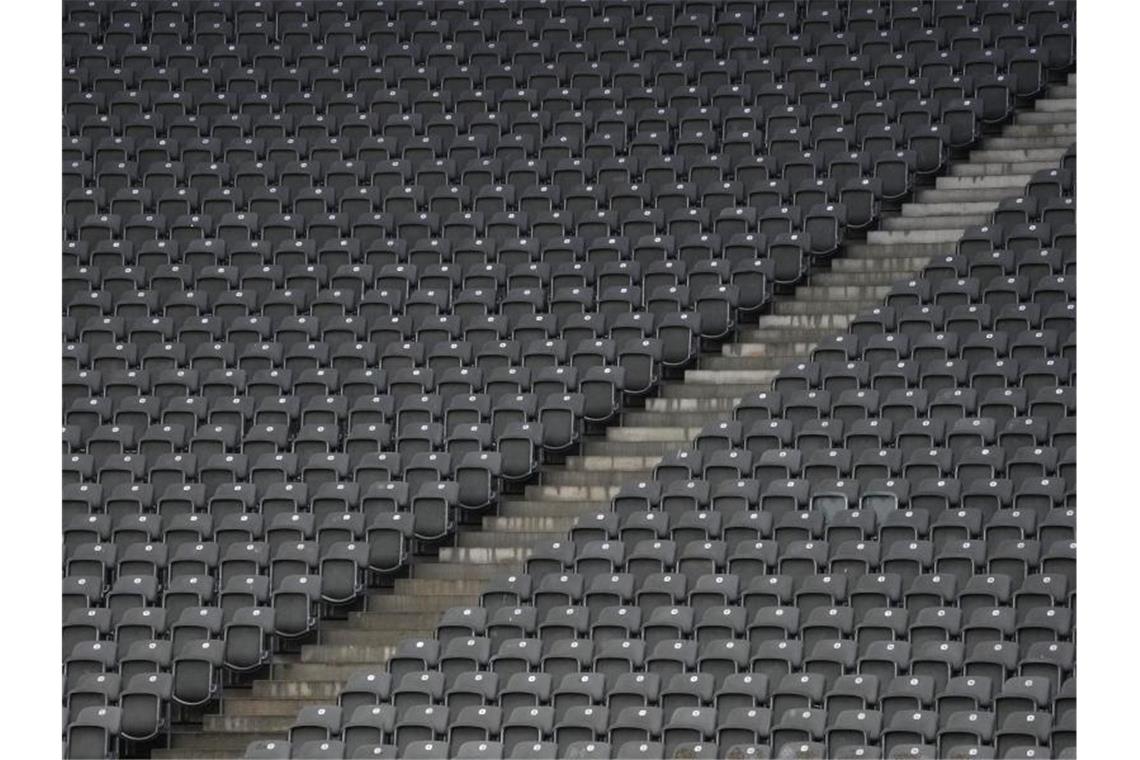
452,571
896,237
601,477
639,434
374,619
505,540
946,209
616,462
272,707
963,195
990,169
315,691
557,509
841,293
672,405
645,448
900,266
307,671
226,724
422,586
748,362
856,278
1014,131
528,524
374,636
569,493
1022,143
788,350
932,222
218,742
708,389
649,419
393,604
1047,117
916,250
1009,156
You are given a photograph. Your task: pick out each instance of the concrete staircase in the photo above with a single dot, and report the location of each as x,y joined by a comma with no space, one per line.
858,280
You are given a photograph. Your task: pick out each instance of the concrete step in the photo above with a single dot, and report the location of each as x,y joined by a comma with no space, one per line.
314,690
1014,156
776,350
529,524
1025,143
374,620
1054,104
830,321
893,237
898,266
198,743
460,570
837,307
823,292
711,388
315,671
552,509
944,209
357,654
656,419
364,623
855,278
397,603
749,362
649,448
936,222
1040,130
617,463
1012,181
1047,117
569,493
385,638
988,169
238,707
201,754
640,434
602,477
1062,91
248,724
758,379
506,556
871,250
645,434
784,335
496,540
422,586
706,405
963,195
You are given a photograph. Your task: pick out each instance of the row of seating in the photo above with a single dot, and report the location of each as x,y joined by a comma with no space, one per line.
991,364
823,584
338,273
870,454
788,11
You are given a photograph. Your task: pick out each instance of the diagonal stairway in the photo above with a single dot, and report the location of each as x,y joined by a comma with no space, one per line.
929,226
